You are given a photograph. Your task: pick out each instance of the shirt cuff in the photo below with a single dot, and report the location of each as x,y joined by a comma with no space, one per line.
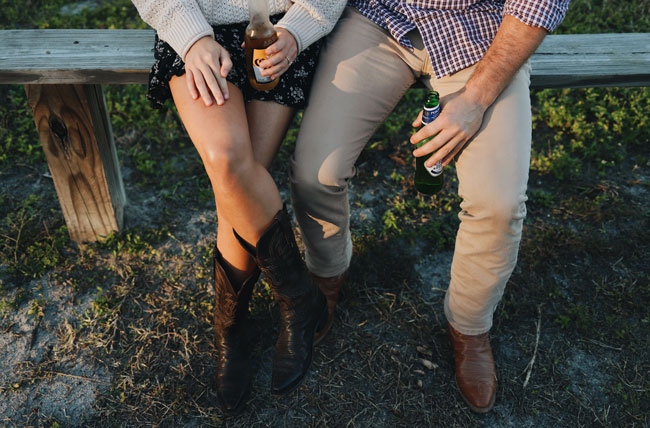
302,25
547,14
186,27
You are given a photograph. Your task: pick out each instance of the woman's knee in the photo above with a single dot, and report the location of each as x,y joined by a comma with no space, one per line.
227,159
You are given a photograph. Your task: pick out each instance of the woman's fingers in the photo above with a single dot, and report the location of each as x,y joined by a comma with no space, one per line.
280,54
199,81
226,63
226,66
275,60
207,65
211,81
276,47
191,87
276,70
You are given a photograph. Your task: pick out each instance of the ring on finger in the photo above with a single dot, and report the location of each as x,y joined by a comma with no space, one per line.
288,60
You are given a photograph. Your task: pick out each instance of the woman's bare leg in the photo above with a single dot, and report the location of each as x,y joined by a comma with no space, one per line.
266,141
245,194
244,191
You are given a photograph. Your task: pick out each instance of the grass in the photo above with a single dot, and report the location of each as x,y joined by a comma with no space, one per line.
138,304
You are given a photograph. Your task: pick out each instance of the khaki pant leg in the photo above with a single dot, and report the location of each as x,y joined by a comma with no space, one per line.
361,76
492,175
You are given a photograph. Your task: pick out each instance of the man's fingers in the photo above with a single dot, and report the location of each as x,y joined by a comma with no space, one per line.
426,131
418,120
434,144
451,155
445,153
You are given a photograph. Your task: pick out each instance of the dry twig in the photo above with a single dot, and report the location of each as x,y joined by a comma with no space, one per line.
532,360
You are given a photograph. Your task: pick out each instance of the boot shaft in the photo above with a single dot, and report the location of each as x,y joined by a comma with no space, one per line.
278,257
230,307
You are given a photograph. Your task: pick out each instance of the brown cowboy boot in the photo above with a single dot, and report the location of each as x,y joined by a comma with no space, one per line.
234,374
476,375
331,288
303,308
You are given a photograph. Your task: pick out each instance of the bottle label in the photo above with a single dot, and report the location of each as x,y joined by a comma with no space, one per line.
435,170
258,56
428,116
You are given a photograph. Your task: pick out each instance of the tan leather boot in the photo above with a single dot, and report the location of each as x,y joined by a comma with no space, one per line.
331,288
476,375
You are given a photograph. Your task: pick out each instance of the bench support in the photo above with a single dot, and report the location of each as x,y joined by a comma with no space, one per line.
74,128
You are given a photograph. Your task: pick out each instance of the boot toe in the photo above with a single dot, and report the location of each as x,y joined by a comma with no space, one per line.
232,400
286,379
479,396
475,370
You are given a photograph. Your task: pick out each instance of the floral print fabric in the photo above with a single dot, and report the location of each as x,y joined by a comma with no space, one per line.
292,90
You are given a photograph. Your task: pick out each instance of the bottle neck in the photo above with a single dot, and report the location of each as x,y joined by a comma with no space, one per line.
258,11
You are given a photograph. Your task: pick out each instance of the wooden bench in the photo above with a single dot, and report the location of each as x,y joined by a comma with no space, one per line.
63,71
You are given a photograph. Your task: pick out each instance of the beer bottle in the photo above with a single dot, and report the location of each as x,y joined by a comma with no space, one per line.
428,180
260,34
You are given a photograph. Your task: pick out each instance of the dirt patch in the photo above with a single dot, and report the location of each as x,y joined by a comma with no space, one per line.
41,375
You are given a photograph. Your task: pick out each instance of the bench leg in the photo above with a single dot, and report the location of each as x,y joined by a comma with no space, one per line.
75,130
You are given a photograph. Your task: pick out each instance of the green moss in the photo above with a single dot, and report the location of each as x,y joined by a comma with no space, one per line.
578,130
32,241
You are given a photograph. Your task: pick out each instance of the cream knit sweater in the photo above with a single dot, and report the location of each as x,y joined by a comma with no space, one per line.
182,22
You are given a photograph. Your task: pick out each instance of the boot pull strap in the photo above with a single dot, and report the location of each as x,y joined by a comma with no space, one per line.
245,245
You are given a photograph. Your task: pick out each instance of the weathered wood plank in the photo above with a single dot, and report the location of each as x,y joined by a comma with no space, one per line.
125,56
77,139
76,56
592,60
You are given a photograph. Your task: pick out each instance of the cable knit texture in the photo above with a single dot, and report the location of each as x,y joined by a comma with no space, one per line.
182,22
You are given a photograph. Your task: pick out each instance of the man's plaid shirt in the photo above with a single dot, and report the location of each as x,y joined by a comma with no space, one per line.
456,33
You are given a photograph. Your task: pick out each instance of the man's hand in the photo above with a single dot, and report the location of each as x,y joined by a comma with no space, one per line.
207,64
460,117
462,111
280,54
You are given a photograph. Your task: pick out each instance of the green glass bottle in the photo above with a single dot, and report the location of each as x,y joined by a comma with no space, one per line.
428,180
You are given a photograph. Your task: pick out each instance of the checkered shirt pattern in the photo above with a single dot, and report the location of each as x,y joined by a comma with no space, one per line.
456,33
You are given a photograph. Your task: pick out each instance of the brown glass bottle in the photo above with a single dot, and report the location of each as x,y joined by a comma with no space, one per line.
260,34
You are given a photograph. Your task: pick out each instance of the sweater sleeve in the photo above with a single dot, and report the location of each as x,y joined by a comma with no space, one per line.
178,22
309,20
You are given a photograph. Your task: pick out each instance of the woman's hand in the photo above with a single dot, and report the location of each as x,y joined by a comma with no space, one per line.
460,118
280,54
207,64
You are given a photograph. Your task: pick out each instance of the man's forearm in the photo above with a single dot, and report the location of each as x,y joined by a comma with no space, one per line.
463,110
513,44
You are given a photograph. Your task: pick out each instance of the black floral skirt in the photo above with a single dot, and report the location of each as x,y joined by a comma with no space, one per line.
292,90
